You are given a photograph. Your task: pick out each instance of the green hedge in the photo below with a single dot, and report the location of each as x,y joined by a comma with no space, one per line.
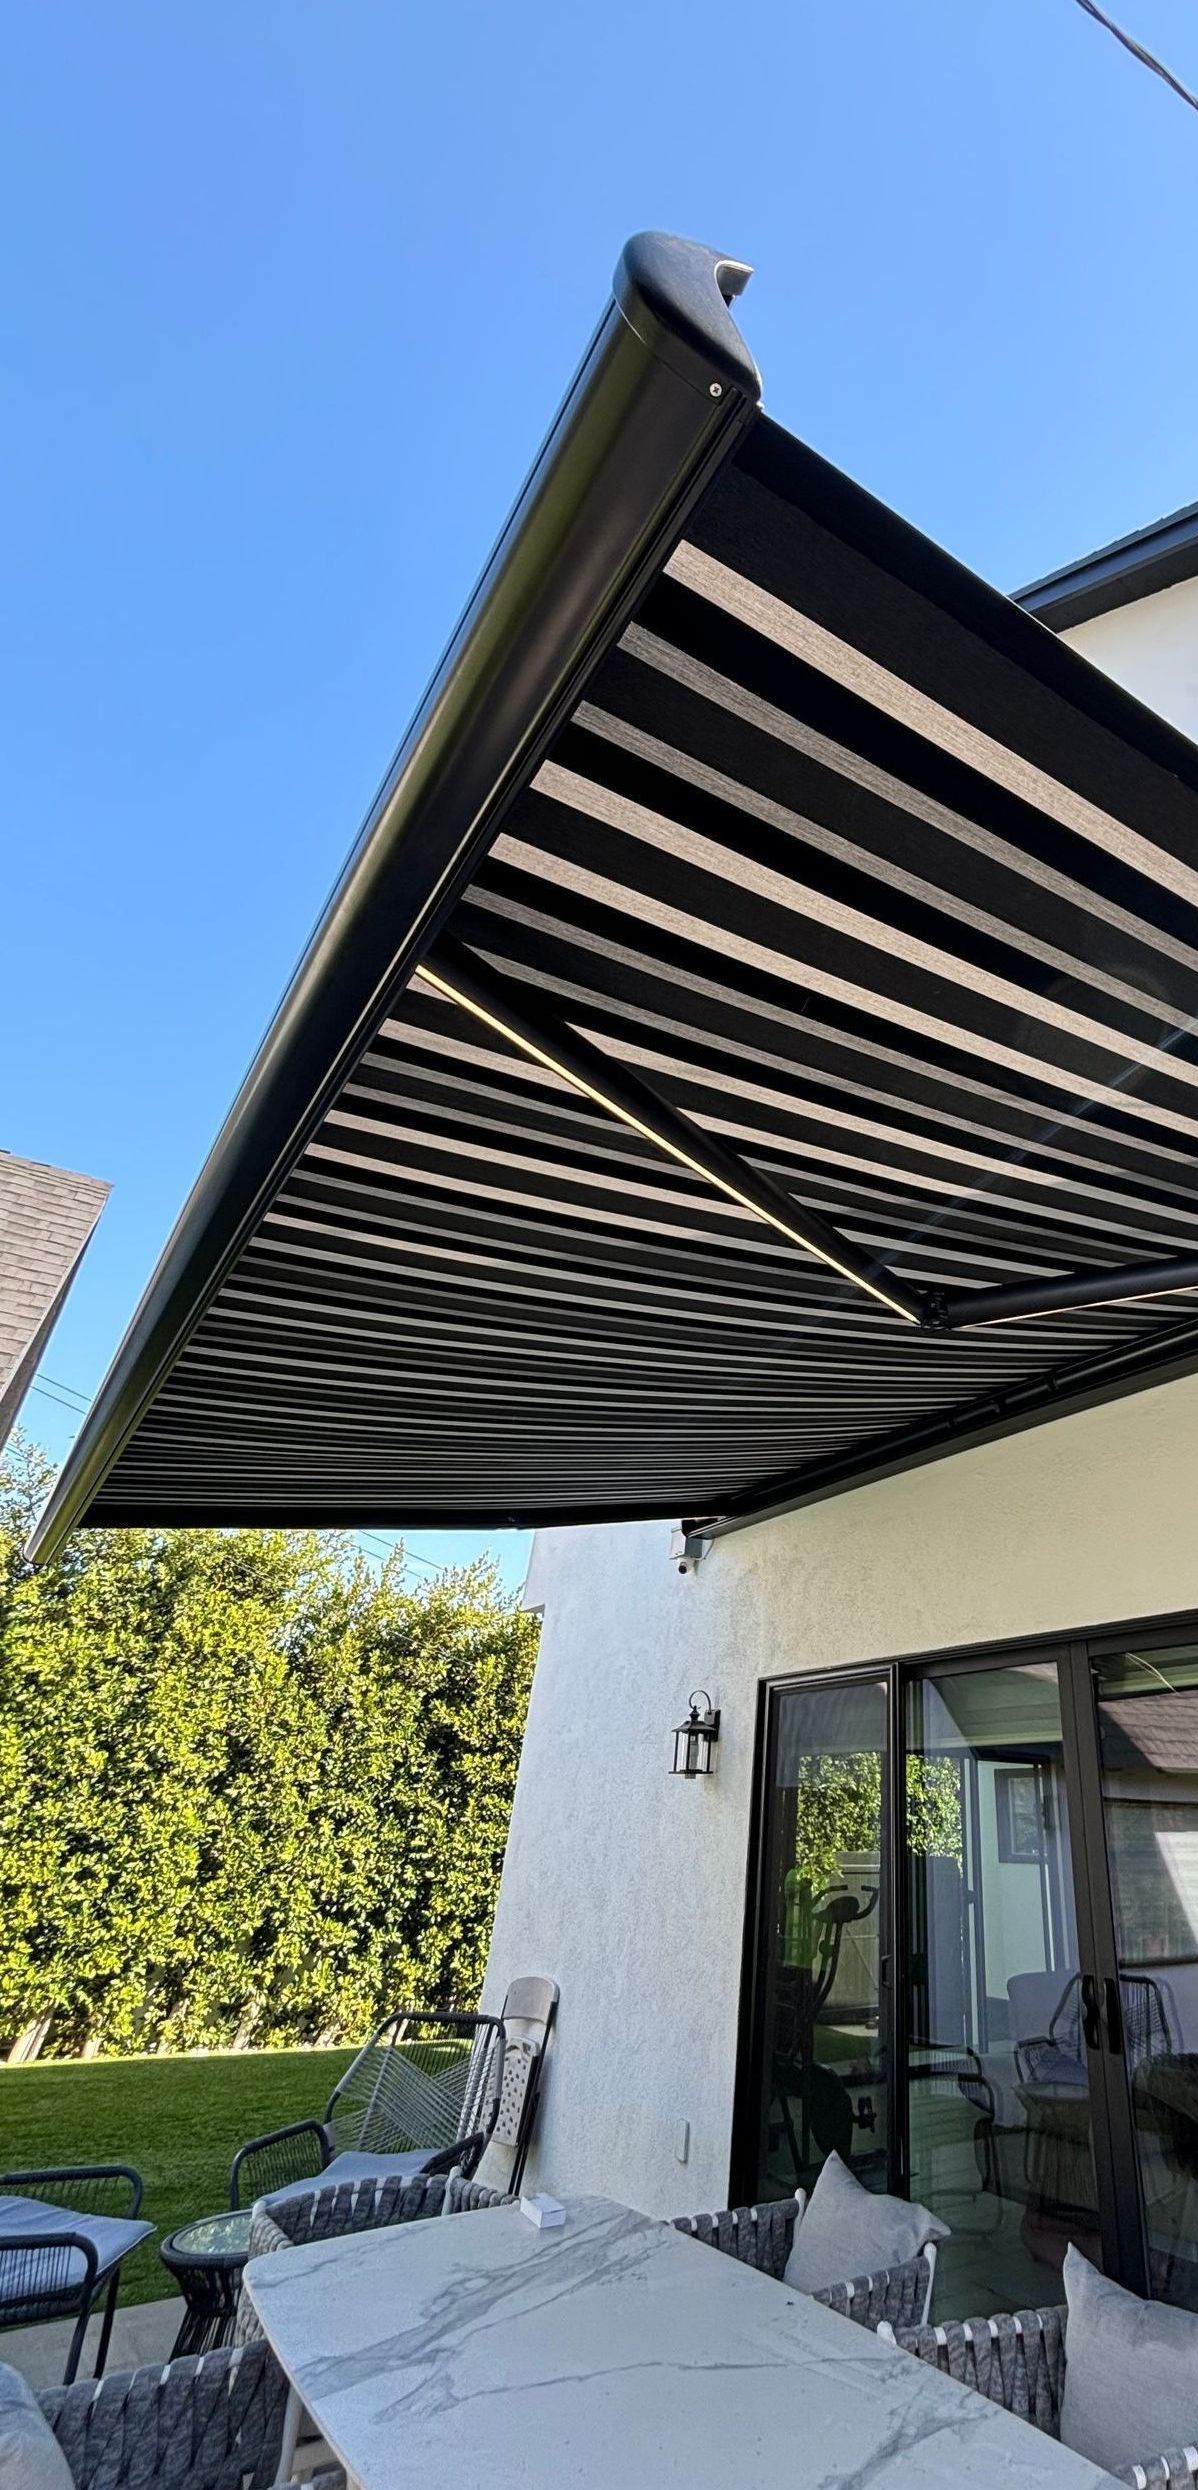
251,1789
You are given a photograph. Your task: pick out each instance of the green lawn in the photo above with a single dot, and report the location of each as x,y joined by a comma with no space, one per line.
178,2120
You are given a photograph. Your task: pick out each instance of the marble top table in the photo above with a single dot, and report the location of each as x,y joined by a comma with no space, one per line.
613,2354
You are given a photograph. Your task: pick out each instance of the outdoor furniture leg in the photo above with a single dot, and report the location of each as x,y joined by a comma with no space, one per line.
110,2300
71,2371
292,2416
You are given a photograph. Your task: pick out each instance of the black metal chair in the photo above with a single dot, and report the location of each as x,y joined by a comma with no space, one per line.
422,2096
1058,2055
64,2235
942,2076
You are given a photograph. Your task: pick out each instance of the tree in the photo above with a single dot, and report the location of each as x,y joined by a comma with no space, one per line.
250,1789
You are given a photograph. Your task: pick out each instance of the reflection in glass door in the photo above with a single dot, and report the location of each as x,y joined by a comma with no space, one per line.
822,2053
1019,1835
1148,1739
1000,2128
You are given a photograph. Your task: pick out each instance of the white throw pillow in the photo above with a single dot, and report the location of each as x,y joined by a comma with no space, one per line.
847,2231
30,2455
1131,2372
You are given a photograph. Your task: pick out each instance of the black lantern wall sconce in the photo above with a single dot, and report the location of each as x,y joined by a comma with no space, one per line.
695,1739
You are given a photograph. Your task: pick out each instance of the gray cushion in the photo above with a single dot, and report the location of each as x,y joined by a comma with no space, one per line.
345,2167
24,2216
847,2230
1131,2372
30,2455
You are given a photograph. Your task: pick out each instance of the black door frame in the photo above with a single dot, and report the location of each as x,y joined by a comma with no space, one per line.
750,2036
1074,1654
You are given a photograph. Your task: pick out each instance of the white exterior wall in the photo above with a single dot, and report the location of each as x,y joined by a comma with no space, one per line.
1152,649
628,1887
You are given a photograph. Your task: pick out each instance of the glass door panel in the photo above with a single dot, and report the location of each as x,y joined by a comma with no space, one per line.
1000,2126
1148,1740
821,2079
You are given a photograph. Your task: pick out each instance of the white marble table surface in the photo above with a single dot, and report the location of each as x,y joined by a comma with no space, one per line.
613,2354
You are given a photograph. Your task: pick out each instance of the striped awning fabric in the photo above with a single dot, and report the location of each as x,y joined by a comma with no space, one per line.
880,887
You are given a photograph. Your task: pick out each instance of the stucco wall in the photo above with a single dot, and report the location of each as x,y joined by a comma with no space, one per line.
628,1886
1152,649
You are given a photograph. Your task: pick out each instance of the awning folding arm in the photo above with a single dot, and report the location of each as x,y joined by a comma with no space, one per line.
465,980
1021,1301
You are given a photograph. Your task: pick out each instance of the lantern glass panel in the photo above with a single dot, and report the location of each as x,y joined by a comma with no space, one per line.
694,1740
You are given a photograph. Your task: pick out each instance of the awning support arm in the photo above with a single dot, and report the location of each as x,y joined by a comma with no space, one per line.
466,980
1021,1301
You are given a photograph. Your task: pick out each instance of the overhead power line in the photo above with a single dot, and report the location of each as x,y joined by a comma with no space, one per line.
71,1390
370,1542
1138,53
58,1399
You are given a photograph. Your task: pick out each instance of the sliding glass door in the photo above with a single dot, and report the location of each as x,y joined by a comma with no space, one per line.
1147,1701
822,2043
999,2107
973,1956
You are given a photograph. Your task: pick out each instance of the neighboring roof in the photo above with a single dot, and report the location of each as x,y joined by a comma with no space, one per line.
770,962
1157,1731
1158,556
46,1218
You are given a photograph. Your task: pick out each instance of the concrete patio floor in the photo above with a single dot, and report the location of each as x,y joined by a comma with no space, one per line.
144,2333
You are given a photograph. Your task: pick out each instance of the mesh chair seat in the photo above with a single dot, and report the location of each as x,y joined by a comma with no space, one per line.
57,2271
424,2085
64,2234
348,2169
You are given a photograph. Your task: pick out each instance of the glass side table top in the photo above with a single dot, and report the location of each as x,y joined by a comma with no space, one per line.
220,2237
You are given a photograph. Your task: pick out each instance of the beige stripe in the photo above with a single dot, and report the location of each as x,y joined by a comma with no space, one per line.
937,895
1013,1167
1037,1068
1059,1139
797,632
689,847
640,1178
682,668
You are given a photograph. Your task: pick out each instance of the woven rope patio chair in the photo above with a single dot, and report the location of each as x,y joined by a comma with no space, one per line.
1019,2362
361,2205
63,2236
422,2095
762,2236
210,2423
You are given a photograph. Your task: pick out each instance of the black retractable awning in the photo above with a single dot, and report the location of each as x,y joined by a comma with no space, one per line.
751,1047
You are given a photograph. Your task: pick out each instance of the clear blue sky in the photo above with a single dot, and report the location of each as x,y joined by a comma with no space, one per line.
293,287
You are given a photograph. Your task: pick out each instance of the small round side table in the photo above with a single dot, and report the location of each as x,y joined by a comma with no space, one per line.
206,2259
